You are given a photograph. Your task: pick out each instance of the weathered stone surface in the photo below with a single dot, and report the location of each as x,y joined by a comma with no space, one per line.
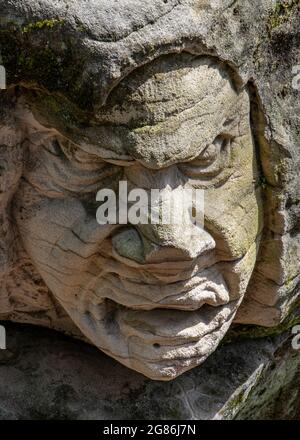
192,93
53,377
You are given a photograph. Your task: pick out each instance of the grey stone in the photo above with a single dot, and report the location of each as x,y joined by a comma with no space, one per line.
99,91
44,375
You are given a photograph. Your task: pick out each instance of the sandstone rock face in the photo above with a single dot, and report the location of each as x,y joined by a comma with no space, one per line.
55,377
163,94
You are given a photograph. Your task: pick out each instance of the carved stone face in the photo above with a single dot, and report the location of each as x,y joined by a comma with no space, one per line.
158,298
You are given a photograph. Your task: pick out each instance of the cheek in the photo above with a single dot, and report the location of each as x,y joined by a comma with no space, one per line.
47,228
234,216
237,274
62,241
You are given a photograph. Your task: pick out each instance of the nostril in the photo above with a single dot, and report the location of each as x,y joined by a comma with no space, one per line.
156,345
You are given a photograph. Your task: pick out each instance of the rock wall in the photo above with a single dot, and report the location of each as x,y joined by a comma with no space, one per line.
196,93
55,377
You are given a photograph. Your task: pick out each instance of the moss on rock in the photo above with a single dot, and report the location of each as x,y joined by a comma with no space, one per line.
49,23
241,332
282,11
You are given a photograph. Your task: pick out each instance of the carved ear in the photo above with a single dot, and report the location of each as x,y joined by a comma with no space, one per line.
11,162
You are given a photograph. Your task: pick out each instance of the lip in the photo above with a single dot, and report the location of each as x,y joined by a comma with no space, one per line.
156,327
206,288
162,329
161,344
187,295
170,329
161,315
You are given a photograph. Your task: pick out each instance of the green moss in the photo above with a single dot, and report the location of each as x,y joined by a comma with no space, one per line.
235,402
240,397
50,23
25,61
282,11
44,64
56,69
58,110
240,332
263,182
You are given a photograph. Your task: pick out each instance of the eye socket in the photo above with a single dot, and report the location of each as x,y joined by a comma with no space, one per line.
212,160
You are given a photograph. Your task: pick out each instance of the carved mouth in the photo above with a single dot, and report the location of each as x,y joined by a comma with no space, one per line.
165,337
159,329
161,343
183,296
207,287
166,327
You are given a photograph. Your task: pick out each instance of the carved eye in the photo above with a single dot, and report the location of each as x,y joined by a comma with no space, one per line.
211,161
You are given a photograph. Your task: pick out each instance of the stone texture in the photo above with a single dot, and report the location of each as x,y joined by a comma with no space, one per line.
159,93
44,375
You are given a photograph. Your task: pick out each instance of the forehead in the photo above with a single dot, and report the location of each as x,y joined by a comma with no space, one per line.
166,111
167,87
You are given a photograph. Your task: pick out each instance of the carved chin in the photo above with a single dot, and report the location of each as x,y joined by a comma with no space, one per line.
160,343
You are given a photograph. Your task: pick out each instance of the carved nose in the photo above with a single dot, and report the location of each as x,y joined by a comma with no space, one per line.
161,243
155,243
